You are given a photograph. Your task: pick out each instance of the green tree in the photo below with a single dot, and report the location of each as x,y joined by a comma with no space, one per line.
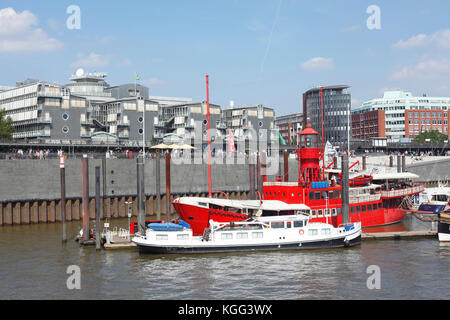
6,128
434,136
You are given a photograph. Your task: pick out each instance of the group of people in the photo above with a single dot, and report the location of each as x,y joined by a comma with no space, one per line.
39,154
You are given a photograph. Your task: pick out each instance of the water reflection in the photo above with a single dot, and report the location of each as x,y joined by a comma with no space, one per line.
34,262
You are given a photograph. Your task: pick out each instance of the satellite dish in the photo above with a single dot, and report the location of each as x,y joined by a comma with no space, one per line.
79,72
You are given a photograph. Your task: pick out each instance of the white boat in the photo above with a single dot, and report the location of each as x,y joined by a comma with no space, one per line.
433,200
260,233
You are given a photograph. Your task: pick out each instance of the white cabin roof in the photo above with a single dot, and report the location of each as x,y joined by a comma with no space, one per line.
273,205
394,176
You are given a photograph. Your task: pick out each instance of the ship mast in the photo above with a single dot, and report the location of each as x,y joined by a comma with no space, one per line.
209,140
323,145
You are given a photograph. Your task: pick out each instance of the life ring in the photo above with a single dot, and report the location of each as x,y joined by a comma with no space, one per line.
301,232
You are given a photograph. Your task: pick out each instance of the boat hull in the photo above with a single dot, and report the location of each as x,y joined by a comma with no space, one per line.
444,229
320,244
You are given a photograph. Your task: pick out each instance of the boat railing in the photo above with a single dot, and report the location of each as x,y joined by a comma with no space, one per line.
281,184
365,198
402,192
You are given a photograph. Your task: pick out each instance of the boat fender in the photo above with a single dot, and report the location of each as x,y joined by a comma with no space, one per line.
301,232
346,243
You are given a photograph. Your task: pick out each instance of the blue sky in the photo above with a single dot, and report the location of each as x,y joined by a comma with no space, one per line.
267,52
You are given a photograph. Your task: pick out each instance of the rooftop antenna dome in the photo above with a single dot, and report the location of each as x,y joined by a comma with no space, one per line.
79,72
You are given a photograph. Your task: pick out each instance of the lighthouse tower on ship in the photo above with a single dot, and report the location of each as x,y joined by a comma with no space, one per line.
309,157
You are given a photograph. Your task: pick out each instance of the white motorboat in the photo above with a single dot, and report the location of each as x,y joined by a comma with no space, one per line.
259,233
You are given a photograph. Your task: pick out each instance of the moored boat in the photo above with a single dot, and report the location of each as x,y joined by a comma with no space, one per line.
257,233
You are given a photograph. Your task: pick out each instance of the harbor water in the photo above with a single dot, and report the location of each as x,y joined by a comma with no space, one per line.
34,265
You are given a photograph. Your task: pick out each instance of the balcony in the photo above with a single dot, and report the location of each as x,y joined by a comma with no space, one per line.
49,94
86,123
123,123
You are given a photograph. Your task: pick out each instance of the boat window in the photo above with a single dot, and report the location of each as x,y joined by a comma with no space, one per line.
257,235
231,209
334,212
325,231
313,213
242,235
380,205
182,236
327,212
317,195
369,207
363,208
277,225
320,213
339,211
331,195
358,209
162,237
313,232
203,204
269,213
311,195
288,224
324,195
336,194
227,236
287,213
353,209
298,224
385,204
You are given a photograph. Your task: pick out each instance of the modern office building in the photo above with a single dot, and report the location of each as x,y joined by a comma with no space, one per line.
88,109
78,110
332,104
407,116
368,125
290,126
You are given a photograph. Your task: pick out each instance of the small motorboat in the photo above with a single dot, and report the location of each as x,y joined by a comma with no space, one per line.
255,233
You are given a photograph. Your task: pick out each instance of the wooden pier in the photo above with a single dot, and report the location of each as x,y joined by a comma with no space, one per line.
398,235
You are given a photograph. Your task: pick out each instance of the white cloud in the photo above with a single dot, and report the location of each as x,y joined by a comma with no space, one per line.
431,69
18,35
318,63
93,60
414,41
441,39
153,82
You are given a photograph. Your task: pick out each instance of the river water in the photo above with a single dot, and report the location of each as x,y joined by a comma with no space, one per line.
34,265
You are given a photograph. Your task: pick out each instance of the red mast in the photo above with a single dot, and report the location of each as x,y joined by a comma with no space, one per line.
323,147
209,140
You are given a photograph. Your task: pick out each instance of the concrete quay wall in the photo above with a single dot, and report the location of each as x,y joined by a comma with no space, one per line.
30,189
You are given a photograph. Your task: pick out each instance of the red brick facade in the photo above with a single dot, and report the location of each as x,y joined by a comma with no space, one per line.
417,121
371,124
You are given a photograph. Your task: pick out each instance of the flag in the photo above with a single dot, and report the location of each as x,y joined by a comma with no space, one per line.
231,147
137,77
280,138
